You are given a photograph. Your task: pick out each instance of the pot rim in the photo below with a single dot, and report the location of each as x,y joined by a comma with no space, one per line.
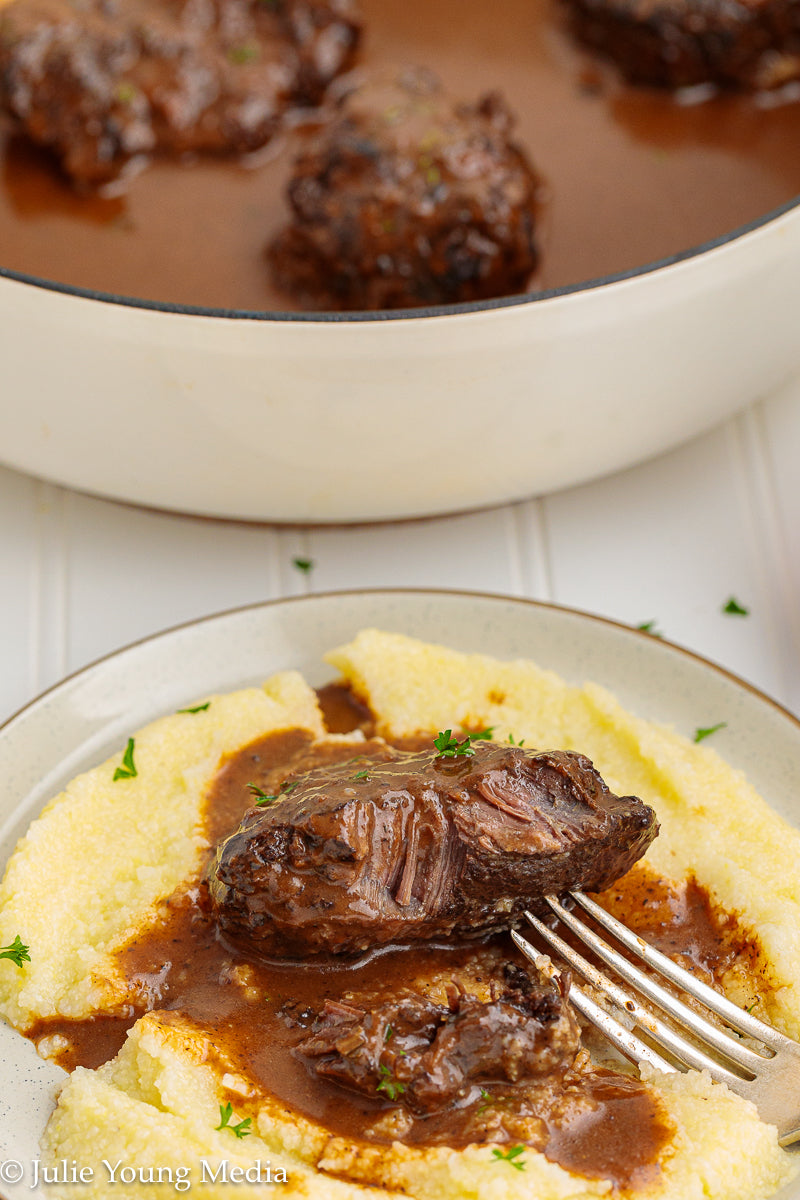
407,314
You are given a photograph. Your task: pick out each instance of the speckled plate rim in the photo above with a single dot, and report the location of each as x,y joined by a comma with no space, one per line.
85,717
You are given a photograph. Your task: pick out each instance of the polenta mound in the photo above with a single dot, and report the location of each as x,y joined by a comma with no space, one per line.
135,841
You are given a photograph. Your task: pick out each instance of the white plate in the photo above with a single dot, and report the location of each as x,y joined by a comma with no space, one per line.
82,720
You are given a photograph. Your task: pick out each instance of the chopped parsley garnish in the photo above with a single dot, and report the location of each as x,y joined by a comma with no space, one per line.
197,708
700,734
241,1130
650,627
450,747
361,775
128,768
512,1156
18,952
432,138
303,564
734,609
246,53
521,741
487,1100
124,92
261,797
388,1035
390,1086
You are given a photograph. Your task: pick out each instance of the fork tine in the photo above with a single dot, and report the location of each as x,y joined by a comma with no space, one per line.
730,1013
710,1034
662,1034
625,1041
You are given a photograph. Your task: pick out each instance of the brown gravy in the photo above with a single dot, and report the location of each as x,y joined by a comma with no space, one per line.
633,175
594,1122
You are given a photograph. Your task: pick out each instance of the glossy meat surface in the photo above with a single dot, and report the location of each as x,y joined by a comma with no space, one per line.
418,847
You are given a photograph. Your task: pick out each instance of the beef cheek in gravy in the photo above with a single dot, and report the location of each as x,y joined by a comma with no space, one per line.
679,43
430,1055
418,847
101,81
408,197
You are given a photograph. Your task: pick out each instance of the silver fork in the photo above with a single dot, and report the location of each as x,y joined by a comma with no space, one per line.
771,1079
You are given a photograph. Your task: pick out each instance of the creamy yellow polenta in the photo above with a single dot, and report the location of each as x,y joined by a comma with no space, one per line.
130,842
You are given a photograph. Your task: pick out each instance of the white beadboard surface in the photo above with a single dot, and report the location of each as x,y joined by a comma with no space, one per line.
668,541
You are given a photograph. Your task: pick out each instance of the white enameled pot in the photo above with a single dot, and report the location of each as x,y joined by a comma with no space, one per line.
345,418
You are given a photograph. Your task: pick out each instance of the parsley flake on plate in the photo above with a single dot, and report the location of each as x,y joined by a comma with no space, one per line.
701,733
511,1156
242,1129
388,1085
128,768
18,952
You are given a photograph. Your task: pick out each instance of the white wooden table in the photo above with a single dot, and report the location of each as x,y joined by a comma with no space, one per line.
669,541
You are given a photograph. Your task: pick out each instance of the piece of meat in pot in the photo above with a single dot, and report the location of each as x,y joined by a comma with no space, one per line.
101,81
678,43
408,197
428,1056
417,847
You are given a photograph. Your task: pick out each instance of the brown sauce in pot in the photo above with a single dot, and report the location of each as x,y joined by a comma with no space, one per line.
633,175
593,1121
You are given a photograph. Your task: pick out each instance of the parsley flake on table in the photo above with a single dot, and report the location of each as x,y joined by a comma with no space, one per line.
18,952
128,768
242,1129
450,747
197,708
390,1086
511,1156
701,733
734,609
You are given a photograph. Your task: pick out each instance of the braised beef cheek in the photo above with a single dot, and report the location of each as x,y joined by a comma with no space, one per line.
419,847
428,1055
101,81
409,196
682,43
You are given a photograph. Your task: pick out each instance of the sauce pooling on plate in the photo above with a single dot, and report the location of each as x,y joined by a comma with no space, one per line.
254,1013
632,175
